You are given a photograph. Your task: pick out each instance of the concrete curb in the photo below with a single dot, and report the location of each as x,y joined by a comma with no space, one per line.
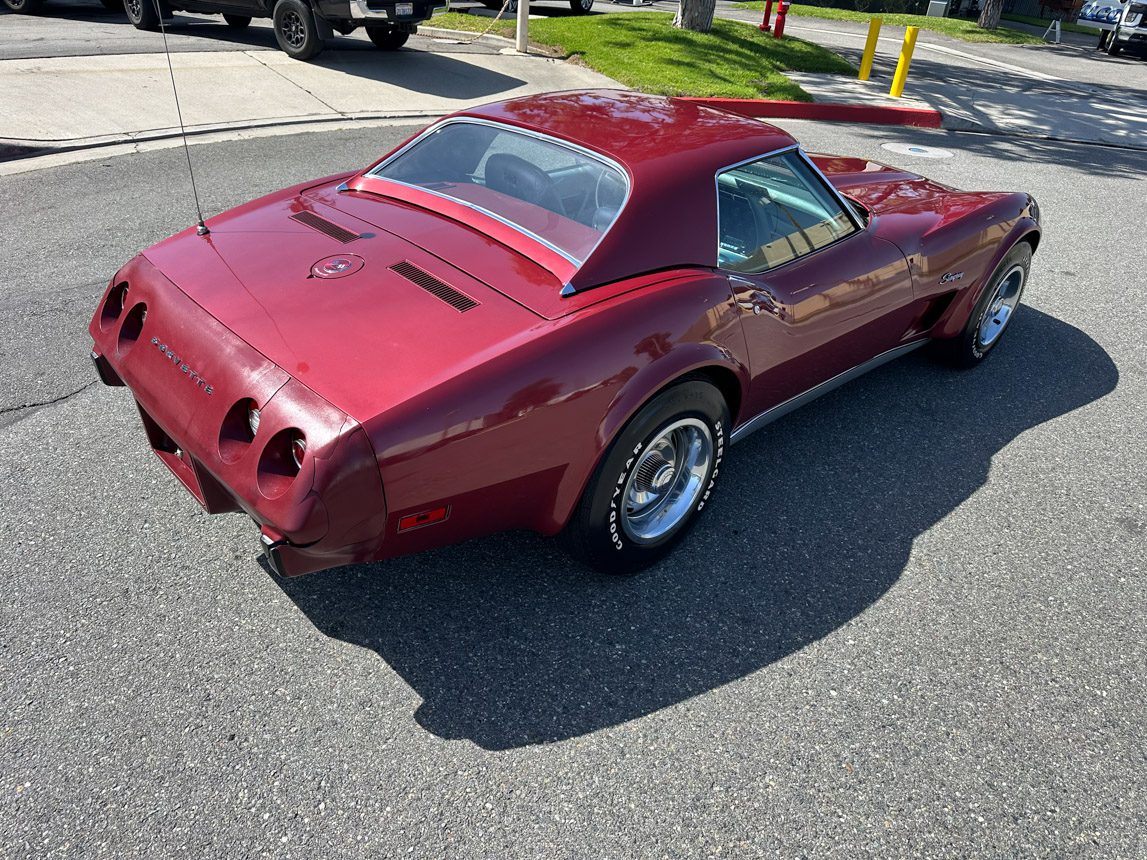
13,149
826,112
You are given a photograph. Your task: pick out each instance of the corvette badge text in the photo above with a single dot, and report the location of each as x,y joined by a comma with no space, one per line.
178,362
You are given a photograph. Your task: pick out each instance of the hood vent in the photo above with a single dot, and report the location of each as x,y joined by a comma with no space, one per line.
330,228
437,288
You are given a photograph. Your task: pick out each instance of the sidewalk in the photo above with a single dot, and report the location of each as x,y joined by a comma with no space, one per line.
71,102
1062,92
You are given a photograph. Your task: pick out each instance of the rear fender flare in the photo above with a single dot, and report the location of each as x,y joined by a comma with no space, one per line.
650,381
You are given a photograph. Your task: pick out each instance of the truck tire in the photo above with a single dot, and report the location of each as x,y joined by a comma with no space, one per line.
145,14
295,29
24,7
386,38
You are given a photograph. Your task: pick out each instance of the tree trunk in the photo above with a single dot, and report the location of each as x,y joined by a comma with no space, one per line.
697,15
990,16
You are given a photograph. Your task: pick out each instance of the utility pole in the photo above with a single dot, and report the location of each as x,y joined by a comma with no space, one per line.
523,25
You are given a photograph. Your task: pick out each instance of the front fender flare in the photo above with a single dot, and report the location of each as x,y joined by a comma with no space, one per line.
956,316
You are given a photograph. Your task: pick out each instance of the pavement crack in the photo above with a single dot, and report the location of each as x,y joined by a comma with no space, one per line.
254,55
40,404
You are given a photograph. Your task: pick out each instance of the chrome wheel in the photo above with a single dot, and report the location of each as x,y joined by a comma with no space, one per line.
294,30
1001,306
667,480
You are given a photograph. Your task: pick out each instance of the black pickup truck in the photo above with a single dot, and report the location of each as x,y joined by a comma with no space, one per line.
301,26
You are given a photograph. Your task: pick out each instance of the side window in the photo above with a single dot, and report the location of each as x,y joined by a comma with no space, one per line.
772,211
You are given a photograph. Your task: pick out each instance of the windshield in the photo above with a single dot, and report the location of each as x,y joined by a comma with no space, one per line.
562,196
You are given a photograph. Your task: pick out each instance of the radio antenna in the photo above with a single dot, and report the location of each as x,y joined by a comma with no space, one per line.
200,227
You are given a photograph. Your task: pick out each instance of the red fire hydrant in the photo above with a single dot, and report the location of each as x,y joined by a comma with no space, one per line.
782,13
765,26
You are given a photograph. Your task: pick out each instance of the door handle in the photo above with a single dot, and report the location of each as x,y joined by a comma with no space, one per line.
750,297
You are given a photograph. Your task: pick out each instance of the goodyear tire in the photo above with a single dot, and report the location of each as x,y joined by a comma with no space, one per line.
656,477
994,311
295,29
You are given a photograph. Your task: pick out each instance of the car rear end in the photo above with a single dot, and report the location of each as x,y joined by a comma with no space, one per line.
236,429
1131,28
401,15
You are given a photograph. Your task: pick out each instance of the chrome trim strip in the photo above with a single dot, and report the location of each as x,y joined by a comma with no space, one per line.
513,129
793,403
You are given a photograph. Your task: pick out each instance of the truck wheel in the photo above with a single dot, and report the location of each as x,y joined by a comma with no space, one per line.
386,38
237,22
295,29
144,15
581,7
24,7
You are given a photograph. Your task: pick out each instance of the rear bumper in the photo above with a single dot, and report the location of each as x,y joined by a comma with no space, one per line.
192,380
379,11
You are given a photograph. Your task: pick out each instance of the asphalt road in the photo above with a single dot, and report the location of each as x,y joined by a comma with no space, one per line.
912,625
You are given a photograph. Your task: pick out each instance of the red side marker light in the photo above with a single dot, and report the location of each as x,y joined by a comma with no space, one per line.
423,518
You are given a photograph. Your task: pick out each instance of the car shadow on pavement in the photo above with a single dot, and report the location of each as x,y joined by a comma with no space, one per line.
509,643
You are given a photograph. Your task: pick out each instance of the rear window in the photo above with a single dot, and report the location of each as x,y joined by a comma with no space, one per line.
564,197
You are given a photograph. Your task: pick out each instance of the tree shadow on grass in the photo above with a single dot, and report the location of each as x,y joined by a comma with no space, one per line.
509,643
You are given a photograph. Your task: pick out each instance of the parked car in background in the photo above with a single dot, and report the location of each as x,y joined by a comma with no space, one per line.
301,26
1130,30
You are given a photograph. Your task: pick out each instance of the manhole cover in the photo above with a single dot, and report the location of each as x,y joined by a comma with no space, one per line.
917,150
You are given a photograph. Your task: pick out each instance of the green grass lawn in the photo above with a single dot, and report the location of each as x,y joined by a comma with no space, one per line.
644,51
957,28
475,23
1043,22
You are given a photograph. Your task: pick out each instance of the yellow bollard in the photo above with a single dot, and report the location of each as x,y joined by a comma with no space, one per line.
869,49
905,60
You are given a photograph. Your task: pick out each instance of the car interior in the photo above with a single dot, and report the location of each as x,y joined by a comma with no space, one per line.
547,175
768,215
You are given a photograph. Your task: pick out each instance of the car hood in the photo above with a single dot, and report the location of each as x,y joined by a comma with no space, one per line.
881,188
365,323
907,207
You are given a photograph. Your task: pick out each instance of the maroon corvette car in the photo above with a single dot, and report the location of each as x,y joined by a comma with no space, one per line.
551,313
